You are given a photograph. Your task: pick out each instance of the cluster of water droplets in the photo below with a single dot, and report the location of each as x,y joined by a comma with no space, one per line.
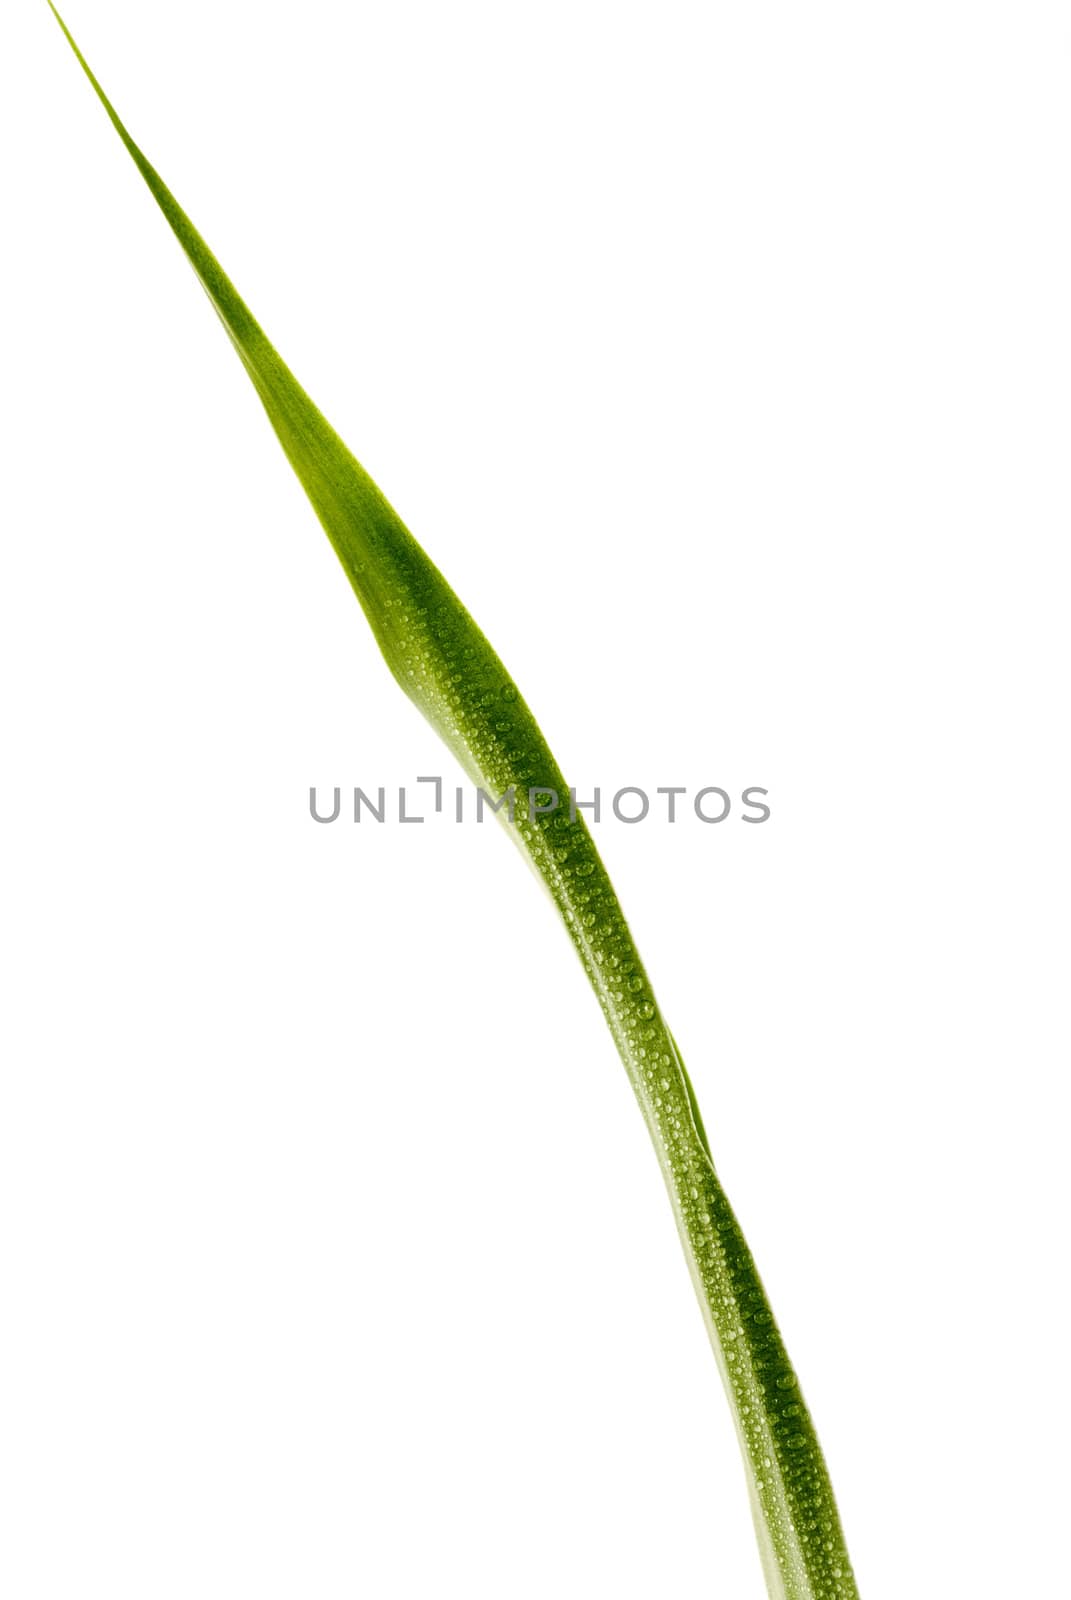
450,671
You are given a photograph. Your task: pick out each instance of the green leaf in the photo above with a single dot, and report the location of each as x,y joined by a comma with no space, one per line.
446,666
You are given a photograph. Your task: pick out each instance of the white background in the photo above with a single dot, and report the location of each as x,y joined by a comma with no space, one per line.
720,356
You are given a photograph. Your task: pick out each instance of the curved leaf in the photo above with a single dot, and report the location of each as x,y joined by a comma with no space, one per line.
446,666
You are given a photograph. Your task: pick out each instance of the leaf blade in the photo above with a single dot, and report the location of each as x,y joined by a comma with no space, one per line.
444,663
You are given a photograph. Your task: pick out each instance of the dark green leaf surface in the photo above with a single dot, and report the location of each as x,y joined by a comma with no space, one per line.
445,665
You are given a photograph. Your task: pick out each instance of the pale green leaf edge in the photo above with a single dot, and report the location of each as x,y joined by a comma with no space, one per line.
445,665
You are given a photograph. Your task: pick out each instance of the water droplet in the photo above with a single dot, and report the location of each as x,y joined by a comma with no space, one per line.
635,984
509,692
